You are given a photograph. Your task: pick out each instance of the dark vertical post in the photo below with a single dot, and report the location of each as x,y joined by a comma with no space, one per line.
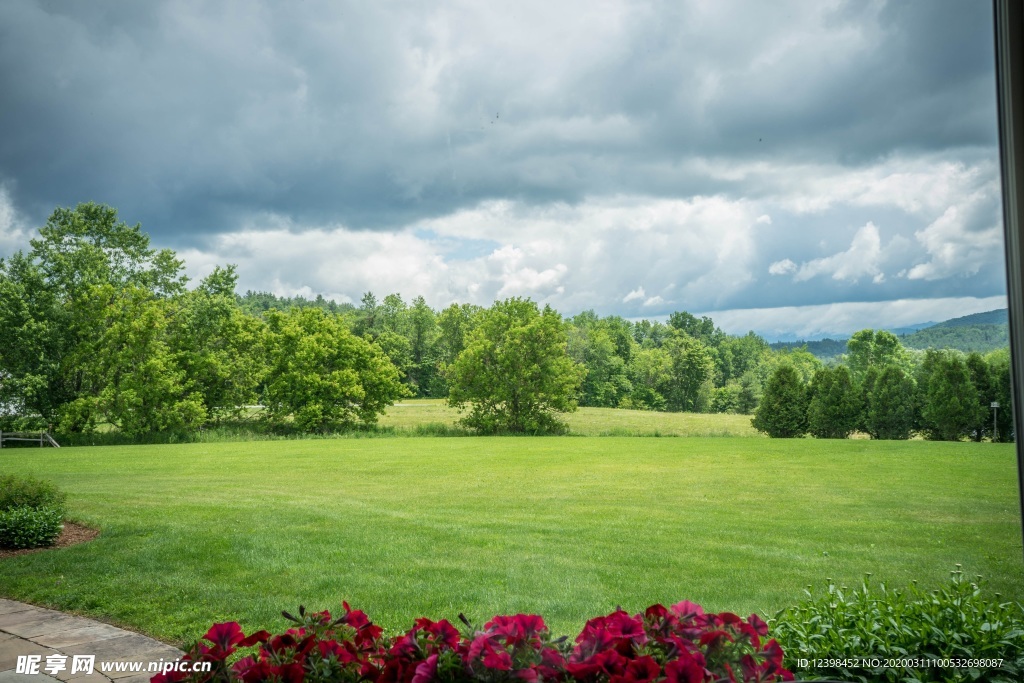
1009,27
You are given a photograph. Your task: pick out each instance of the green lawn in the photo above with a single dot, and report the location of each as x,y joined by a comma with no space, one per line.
567,527
412,413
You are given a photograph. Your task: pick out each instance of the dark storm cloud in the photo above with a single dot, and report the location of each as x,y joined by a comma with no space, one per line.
193,118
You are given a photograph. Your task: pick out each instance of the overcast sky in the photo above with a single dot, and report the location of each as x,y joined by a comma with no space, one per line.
800,167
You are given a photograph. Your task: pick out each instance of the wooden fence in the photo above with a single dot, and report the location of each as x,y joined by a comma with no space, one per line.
42,438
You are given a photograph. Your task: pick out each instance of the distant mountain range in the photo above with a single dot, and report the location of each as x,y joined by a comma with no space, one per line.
980,332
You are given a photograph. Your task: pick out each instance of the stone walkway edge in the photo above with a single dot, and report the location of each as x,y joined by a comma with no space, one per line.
27,630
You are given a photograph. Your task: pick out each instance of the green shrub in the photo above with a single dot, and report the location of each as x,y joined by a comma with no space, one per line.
953,622
27,527
18,492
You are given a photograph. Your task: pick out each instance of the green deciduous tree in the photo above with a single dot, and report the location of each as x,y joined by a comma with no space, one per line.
127,373
649,371
868,348
981,377
783,409
323,377
514,373
692,365
77,249
834,406
220,348
606,382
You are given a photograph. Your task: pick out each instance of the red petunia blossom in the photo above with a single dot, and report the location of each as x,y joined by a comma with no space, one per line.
225,636
687,610
758,624
251,671
497,658
686,670
713,638
426,672
517,629
607,662
639,670
440,632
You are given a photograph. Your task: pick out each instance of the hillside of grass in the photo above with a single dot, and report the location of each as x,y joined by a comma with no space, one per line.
565,527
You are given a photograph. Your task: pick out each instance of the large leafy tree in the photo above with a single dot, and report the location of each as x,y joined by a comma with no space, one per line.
77,249
591,346
870,348
692,366
128,375
220,348
783,409
649,372
834,406
514,374
323,377
421,328
981,378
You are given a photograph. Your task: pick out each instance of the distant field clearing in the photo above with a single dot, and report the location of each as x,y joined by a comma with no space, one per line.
410,413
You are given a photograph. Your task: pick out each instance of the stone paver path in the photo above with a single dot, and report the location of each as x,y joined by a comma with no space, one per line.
29,630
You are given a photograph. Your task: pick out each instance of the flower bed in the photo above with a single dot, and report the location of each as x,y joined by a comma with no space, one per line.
678,644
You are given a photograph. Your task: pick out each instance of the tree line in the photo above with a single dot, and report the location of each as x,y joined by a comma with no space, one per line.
889,392
98,330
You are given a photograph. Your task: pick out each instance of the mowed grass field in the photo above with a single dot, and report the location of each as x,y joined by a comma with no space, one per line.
568,527
410,414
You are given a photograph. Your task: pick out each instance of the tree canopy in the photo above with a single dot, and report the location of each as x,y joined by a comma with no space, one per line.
515,374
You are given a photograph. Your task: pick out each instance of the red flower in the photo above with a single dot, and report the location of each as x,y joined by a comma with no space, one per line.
440,633
608,662
758,624
517,629
713,638
426,671
225,636
640,670
686,670
250,671
497,658
687,610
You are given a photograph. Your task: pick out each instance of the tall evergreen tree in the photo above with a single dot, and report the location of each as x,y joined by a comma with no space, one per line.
890,410
951,403
834,406
783,409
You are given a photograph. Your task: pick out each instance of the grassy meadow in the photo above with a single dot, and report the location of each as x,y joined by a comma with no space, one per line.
411,415
568,527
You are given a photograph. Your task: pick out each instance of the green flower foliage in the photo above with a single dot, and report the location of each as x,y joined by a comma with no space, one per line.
875,622
515,373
